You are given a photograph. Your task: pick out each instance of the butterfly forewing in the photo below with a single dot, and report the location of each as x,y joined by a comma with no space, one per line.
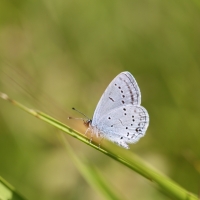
123,90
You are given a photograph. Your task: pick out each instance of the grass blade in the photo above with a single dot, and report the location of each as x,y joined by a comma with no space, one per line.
132,161
7,192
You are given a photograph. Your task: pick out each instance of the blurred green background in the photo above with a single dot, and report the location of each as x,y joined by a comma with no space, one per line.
55,55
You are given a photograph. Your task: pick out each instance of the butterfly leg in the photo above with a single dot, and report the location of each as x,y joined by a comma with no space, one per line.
100,142
94,131
92,134
87,131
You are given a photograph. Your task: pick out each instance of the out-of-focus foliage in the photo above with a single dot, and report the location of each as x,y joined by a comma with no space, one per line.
58,54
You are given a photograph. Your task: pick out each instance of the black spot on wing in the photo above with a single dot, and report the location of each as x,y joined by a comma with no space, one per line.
111,99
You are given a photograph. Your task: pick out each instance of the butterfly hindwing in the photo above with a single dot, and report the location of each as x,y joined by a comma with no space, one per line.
126,124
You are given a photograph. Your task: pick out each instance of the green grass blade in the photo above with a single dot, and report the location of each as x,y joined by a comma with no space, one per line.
7,192
132,161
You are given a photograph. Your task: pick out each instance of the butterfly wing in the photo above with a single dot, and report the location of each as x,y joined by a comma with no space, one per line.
124,125
123,90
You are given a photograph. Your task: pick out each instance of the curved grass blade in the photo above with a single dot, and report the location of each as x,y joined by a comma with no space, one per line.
7,192
132,161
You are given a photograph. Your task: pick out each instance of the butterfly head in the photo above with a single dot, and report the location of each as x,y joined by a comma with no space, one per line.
87,122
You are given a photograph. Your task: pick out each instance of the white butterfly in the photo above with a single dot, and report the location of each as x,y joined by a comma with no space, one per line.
118,116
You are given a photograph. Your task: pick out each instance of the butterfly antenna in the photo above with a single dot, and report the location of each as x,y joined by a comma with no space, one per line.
80,113
75,118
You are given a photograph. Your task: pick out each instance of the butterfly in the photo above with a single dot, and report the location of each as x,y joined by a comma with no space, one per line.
119,117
